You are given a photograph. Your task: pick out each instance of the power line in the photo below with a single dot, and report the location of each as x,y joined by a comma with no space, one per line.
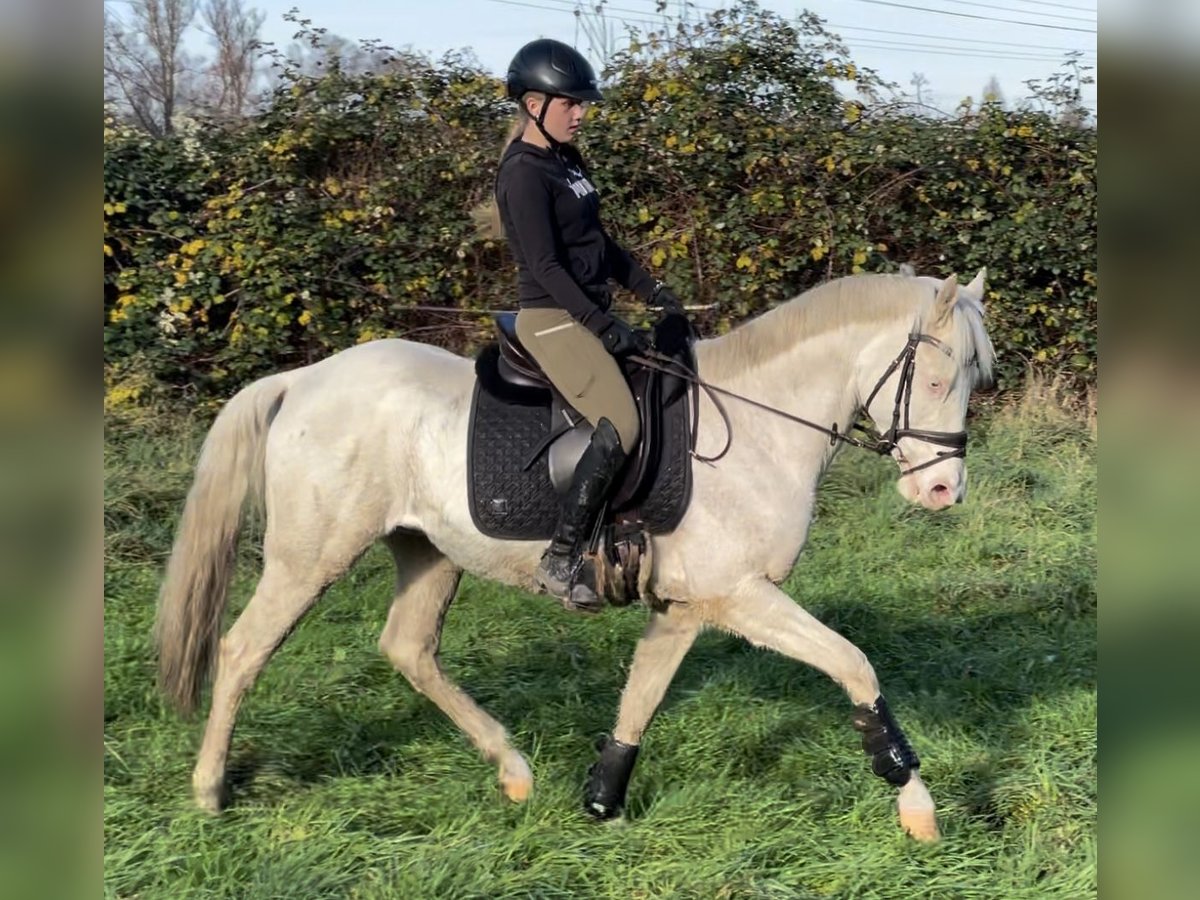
1030,12
960,40
1027,12
1058,5
940,51
946,12
571,9
568,6
573,6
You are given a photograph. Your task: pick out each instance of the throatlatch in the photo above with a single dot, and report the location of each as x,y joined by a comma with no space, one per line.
608,778
892,757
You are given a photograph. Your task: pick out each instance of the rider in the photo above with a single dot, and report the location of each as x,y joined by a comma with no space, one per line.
550,213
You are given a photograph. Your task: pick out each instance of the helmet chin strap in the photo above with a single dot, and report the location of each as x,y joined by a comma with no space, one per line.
541,116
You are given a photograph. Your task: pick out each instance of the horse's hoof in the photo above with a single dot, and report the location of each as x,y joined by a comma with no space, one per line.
515,778
601,811
921,824
918,815
209,797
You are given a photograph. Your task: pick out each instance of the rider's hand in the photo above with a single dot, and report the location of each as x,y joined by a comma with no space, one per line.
672,333
666,299
619,339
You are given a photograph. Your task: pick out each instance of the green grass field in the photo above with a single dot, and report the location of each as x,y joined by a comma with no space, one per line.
980,622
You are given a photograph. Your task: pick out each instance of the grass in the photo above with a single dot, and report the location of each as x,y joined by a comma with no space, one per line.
979,621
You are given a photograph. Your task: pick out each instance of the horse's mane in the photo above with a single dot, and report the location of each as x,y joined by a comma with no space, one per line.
853,300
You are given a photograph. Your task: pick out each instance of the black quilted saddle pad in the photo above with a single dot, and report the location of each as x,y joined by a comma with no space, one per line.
509,503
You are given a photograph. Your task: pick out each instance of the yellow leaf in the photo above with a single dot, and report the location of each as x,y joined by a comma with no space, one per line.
671,140
108,251
744,262
818,253
643,215
860,257
304,318
658,256
651,94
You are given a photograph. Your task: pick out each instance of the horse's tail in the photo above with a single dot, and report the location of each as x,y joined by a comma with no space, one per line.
192,600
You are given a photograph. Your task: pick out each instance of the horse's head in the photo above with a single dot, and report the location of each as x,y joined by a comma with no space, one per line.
920,406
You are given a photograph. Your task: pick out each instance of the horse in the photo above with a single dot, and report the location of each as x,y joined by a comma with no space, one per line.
368,445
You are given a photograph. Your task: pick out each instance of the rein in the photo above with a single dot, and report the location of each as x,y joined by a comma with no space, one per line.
883,444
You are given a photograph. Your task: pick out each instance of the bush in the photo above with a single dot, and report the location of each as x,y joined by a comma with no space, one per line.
730,164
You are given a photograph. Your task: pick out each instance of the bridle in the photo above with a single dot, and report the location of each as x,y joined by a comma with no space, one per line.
887,442
883,444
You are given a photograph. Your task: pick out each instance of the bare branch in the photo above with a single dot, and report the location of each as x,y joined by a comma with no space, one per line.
143,60
234,31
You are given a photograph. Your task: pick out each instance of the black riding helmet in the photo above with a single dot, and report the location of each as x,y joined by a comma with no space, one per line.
554,68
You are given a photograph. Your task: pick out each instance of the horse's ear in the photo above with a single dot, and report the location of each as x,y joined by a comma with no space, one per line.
975,288
943,304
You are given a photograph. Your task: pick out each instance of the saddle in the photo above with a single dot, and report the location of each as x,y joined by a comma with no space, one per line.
525,440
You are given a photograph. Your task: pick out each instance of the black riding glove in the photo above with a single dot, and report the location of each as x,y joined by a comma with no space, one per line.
673,333
667,299
619,339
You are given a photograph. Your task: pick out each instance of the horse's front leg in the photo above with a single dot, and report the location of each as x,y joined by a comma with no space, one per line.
764,615
667,639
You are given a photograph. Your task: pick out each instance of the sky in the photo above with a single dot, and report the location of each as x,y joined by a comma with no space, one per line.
955,52
957,45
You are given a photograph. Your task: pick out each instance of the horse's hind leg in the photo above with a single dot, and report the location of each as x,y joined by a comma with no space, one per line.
767,617
280,600
425,585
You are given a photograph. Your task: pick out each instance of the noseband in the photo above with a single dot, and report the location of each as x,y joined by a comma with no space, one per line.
885,443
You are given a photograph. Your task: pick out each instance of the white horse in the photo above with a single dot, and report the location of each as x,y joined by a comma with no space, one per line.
370,444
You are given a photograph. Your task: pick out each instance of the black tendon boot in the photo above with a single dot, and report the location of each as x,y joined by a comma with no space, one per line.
559,569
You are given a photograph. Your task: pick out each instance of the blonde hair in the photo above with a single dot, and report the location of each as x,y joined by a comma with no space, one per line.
487,214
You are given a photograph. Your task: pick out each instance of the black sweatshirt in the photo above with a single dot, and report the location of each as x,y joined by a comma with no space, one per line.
551,215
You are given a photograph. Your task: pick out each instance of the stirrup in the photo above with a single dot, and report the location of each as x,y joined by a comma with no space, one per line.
583,596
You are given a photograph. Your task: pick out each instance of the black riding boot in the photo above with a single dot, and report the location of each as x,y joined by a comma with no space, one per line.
559,569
